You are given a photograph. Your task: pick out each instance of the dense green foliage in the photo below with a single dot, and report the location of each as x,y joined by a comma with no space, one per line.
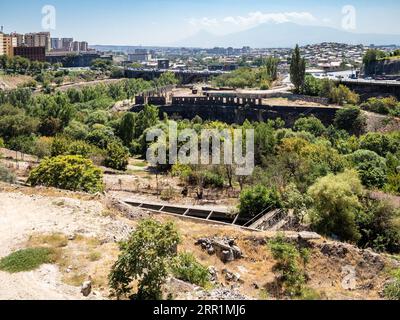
290,266
145,257
246,77
386,106
67,172
254,200
185,267
336,205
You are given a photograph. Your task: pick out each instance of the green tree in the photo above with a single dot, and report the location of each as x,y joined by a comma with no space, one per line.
310,124
336,205
145,257
127,126
350,119
370,166
297,69
117,156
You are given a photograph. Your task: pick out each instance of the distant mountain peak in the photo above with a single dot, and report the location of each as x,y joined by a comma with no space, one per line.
286,34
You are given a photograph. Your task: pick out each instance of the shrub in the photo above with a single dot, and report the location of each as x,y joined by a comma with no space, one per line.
382,105
185,267
343,95
290,264
67,172
6,175
392,289
145,257
26,260
117,156
168,194
379,227
254,200
212,179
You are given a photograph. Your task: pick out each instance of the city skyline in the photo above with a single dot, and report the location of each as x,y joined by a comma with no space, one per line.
164,23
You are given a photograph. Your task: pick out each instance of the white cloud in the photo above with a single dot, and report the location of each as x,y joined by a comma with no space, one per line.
204,22
254,18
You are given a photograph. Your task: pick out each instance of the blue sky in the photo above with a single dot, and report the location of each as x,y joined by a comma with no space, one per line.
162,22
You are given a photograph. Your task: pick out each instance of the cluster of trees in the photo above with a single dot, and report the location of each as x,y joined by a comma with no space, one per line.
295,167
325,88
247,77
20,65
77,122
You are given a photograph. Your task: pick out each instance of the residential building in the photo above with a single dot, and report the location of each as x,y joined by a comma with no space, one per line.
2,51
66,44
39,39
9,43
56,44
20,38
83,46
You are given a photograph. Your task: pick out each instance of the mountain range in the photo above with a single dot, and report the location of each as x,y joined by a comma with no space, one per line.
283,35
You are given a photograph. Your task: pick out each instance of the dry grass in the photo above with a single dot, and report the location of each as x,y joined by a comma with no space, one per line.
80,258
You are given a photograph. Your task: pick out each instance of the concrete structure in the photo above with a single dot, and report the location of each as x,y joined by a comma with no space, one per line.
72,60
236,110
368,89
186,77
31,53
39,39
139,57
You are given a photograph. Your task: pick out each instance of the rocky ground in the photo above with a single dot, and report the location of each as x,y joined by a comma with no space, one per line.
86,230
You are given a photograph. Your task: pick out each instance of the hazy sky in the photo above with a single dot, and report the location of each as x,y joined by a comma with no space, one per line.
162,22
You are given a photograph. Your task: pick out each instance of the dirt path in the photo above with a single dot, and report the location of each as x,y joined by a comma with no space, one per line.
23,215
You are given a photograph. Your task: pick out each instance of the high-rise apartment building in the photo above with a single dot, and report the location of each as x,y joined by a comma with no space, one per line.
66,44
39,39
20,39
56,44
83,46
7,44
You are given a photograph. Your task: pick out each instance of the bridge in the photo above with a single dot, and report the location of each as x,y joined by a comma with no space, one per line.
185,76
373,88
233,109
